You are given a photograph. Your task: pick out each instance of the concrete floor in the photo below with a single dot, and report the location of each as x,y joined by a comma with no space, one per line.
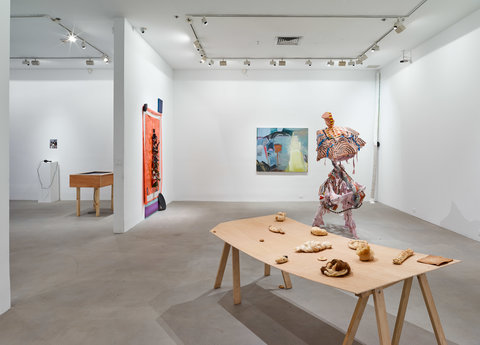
75,282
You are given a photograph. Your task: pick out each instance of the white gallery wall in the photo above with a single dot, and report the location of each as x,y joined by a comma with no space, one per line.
4,171
73,106
141,76
217,113
429,156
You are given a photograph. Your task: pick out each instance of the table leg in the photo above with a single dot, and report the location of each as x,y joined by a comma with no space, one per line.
432,310
402,309
356,317
78,201
237,297
381,314
221,267
286,280
266,272
111,206
96,201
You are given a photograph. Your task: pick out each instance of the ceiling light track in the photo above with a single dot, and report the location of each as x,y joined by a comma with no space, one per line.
71,35
359,58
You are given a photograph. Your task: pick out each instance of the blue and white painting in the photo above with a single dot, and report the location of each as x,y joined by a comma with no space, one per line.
282,149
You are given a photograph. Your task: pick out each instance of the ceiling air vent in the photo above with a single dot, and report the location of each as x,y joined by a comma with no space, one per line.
288,40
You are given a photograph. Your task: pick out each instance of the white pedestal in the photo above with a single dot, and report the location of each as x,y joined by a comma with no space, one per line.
49,186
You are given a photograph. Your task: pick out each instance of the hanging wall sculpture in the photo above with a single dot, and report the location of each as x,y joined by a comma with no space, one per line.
339,193
282,149
152,159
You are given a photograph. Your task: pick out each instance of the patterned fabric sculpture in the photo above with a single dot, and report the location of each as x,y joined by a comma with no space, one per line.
338,144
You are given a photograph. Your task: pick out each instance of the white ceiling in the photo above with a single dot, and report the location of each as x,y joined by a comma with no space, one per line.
224,36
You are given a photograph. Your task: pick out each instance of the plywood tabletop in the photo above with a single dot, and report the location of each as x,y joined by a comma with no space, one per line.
245,235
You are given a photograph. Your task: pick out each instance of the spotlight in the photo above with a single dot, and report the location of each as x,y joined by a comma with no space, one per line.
246,62
84,46
308,62
342,63
197,45
398,26
330,63
204,21
351,63
106,59
405,58
363,57
374,48
273,62
204,59
35,62
71,38
282,63
26,62
359,61
211,63
143,29
223,63
89,62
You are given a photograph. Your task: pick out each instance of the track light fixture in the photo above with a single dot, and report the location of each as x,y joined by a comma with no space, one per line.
359,62
89,62
273,62
204,21
405,58
210,63
398,26
26,62
197,45
35,62
282,62
351,63
84,46
246,62
342,63
71,38
106,59
223,63
308,62
374,48
330,63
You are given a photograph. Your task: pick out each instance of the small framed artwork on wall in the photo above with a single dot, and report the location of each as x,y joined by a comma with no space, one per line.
53,143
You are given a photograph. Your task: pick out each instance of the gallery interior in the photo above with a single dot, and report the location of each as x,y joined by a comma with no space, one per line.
149,149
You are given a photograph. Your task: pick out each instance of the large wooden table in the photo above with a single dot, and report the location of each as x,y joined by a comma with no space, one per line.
95,180
365,279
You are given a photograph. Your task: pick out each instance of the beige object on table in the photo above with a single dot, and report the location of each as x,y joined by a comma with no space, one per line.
95,180
318,231
365,278
364,252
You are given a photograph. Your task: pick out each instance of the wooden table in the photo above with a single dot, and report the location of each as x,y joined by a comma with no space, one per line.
365,279
95,180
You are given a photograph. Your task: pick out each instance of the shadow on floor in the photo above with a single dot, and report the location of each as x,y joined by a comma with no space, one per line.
270,319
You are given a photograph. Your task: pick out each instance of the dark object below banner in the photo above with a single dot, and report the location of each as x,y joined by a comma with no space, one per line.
162,205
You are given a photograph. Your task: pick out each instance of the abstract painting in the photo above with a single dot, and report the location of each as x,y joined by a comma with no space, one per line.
282,149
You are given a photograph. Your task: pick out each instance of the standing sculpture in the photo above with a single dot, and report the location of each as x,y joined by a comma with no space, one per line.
339,193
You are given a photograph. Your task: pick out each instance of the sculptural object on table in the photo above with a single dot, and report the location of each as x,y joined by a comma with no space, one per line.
338,144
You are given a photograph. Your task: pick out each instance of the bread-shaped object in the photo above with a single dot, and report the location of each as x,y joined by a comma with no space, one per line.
364,252
336,268
353,244
276,230
280,216
281,259
402,256
313,246
318,231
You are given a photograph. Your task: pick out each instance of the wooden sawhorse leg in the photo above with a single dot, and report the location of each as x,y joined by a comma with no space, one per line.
286,280
381,314
432,310
402,309
111,201
222,265
237,297
266,270
96,200
356,317
78,201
